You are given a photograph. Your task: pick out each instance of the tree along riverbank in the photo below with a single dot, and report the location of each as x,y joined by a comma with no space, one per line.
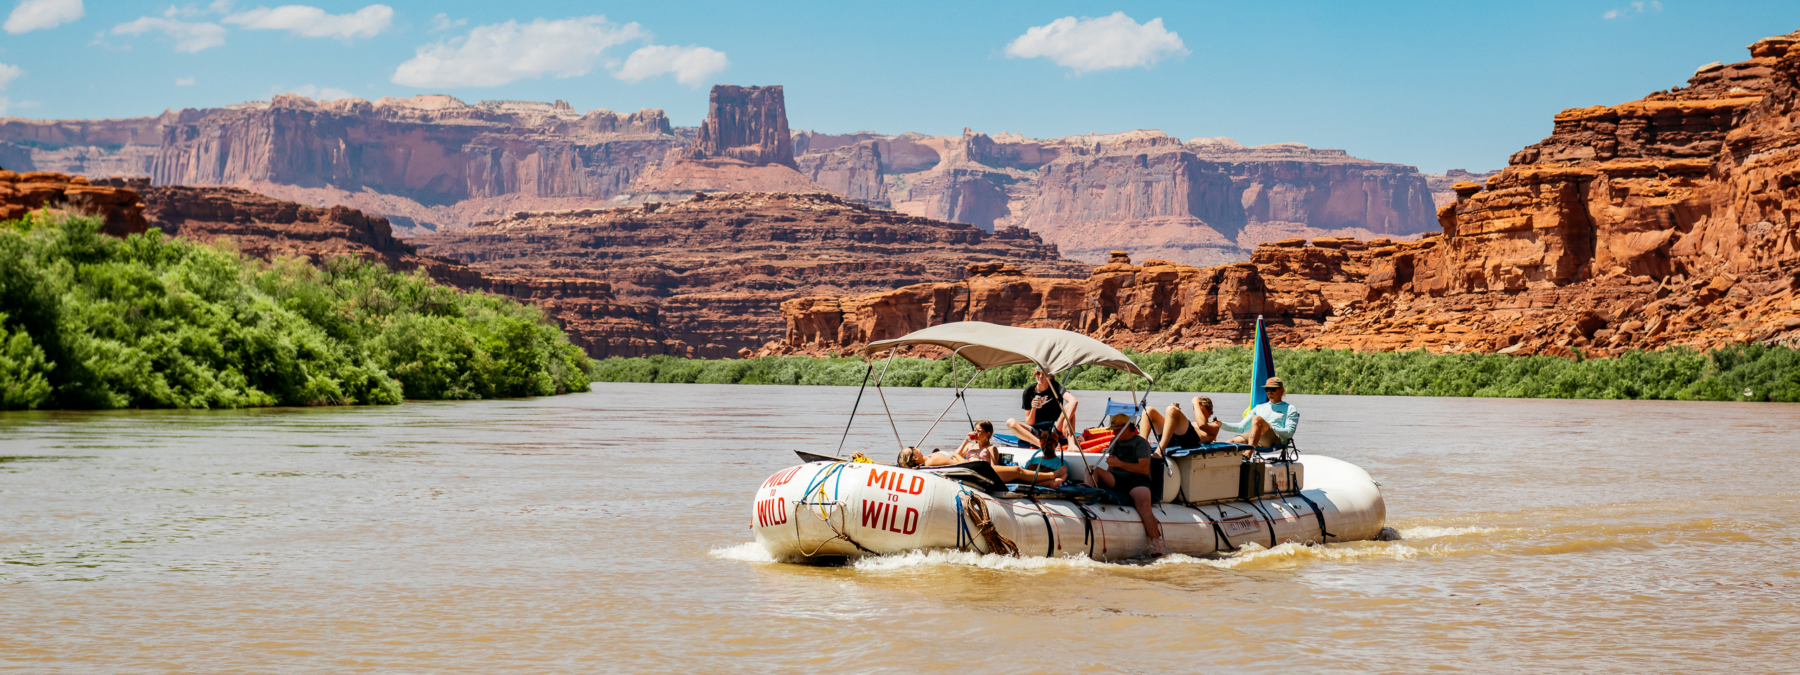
1741,373
92,321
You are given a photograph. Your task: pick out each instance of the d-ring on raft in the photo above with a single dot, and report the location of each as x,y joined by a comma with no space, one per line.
1213,500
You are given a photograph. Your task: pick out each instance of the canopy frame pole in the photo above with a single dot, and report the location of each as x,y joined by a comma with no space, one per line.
859,394
940,417
884,403
1072,439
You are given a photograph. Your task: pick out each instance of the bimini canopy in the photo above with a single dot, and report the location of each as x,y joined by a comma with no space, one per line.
990,346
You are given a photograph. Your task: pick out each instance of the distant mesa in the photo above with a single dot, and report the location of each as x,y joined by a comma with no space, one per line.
436,163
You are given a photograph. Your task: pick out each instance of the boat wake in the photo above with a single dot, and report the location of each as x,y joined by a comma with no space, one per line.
1250,557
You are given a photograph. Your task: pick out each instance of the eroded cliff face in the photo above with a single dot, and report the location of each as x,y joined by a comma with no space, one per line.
430,159
715,268
1670,221
116,204
1207,201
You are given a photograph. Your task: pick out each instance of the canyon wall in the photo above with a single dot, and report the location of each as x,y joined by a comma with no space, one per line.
434,162
1206,201
1669,221
716,268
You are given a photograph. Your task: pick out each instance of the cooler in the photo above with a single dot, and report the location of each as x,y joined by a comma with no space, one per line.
1208,473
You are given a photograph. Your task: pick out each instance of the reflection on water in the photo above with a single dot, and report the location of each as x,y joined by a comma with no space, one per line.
607,531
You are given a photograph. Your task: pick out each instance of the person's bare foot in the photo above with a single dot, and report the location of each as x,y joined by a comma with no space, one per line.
1157,548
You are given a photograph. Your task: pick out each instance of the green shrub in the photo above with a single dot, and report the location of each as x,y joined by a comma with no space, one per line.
1766,373
93,321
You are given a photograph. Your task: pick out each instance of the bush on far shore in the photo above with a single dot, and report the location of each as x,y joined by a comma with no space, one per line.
1739,373
148,321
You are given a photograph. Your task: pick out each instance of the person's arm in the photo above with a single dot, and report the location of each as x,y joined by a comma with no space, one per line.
1141,466
1242,427
1031,408
1289,424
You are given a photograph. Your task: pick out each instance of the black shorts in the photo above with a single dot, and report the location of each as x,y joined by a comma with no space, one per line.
1125,481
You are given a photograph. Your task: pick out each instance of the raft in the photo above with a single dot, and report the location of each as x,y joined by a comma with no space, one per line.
1213,499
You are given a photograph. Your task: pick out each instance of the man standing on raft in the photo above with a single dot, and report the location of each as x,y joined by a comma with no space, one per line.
1269,424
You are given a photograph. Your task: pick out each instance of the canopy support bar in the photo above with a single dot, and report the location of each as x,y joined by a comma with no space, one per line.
859,392
884,403
940,417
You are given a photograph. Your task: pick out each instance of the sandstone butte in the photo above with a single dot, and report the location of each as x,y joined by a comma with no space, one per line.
1669,221
434,163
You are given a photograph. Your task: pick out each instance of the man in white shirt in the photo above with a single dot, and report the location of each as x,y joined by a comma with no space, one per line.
1269,424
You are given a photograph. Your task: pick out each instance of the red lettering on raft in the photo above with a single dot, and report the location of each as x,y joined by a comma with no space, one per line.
771,512
782,477
888,517
918,485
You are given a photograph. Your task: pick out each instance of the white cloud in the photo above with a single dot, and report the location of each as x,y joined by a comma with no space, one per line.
691,65
314,22
184,81
321,93
1108,42
442,22
33,15
1636,8
494,55
189,37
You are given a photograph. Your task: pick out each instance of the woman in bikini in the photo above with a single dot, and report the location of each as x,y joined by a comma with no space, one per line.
1177,430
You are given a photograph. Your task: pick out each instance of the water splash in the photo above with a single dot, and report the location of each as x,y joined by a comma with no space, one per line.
1432,532
748,551
912,559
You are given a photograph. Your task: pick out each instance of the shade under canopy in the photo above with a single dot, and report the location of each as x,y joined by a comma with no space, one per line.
990,346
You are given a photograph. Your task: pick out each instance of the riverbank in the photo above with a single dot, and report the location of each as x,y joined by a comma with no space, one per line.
1741,373
90,321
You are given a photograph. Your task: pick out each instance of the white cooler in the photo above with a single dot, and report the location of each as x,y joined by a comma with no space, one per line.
1207,475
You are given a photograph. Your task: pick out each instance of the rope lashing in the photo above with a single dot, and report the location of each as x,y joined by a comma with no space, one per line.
976,509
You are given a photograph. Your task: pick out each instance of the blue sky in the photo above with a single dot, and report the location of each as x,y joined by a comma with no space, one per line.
1438,85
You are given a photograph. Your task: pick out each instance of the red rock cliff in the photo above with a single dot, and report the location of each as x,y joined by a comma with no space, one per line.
716,267
1661,222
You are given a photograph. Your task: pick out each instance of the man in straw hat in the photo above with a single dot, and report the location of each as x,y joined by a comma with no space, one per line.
1128,473
1270,424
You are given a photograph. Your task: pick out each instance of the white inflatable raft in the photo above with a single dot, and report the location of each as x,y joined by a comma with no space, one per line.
1213,500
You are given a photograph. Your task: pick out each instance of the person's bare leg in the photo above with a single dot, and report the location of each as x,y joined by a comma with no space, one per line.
1175,422
1263,433
1023,432
1159,423
1140,497
1101,478
1067,421
1013,474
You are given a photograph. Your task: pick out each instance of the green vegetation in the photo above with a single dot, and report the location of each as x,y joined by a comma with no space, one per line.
1767,373
92,321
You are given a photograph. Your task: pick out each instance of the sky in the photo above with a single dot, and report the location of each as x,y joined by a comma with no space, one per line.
1437,85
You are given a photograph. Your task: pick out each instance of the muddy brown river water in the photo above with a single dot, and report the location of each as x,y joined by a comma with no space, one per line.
606,532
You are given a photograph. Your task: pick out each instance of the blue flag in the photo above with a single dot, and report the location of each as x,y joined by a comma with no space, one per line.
1262,367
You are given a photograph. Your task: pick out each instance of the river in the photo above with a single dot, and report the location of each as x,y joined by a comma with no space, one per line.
607,532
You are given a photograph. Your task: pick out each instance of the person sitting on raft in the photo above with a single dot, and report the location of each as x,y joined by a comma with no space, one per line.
1177,430
1047,470
1043,403
1270,424
1128,474
979,446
